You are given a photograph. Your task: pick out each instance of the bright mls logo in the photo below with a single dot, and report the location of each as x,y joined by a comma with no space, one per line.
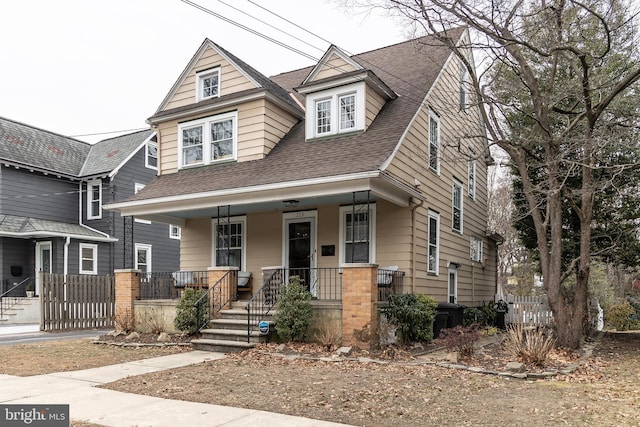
34,415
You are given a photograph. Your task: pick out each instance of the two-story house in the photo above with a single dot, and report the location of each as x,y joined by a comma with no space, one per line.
52,189
376,158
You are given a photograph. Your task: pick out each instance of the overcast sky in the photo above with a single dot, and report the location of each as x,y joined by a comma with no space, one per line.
86,66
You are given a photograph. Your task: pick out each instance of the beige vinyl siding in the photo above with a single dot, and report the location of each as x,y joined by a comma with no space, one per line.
261,125
167,147
475,283
195,245
264,243
334,66
374,102
231,80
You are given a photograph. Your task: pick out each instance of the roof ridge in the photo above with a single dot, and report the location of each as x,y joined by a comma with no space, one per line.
44,130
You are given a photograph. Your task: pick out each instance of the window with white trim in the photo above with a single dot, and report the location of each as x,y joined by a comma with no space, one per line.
208,140
175,232
347,111
357,234
229,241
137,187
88,258
464,87
335,111
143,257
456,206
94,199
434,142
433,238
475,248
471,179
208,82
151,153
323,116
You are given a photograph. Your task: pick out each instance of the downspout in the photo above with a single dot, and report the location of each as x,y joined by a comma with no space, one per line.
66,256
414,267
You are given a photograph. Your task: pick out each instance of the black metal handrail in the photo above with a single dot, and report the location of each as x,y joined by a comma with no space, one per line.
218,296
264,299
7,301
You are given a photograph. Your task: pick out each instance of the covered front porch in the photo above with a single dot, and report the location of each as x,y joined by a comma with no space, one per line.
309,229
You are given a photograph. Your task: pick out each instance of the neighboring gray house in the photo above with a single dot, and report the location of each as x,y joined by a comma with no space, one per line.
52,189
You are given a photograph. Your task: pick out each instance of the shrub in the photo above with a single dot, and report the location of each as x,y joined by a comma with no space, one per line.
189,317
461,339
473,315
413,315
294,311
622,317
530,345
328,334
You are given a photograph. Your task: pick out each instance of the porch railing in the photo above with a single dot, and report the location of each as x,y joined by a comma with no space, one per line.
389,283
217,297
9,297
169,285
265,298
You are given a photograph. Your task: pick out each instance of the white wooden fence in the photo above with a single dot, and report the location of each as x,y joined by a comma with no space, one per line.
532,310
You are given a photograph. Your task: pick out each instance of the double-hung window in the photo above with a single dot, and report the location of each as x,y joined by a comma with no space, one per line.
471,179
143,257
230,242
456,204
434,142
151,155
347,111
357,233
208,140
323,116
335,111
94,199
475,248
434,242
208,82
463,87
88,258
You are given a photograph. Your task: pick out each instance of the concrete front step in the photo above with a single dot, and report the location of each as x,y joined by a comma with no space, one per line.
232,335
221,346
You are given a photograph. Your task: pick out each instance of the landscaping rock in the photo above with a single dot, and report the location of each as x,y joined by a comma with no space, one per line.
344,351
132,336
164,337
116,333
516,367
281,348
452,357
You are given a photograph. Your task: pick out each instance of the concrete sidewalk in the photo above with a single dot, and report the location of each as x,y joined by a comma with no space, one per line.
111,408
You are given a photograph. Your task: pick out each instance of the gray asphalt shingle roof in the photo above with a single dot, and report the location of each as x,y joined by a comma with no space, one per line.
36,148
11,225
408,68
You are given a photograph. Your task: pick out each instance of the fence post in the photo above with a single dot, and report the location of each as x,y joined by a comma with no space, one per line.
127,291
359,303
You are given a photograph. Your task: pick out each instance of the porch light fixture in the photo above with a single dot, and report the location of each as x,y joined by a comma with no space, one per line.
290,203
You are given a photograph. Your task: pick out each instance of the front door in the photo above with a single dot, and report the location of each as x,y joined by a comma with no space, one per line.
300,247
43,262
453,285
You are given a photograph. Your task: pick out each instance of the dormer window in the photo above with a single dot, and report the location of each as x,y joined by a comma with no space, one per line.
337,110
208,84
208,140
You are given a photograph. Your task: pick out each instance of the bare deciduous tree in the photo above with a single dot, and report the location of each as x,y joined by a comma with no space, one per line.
556,89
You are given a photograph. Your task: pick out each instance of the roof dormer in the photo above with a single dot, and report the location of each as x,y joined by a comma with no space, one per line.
341,96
